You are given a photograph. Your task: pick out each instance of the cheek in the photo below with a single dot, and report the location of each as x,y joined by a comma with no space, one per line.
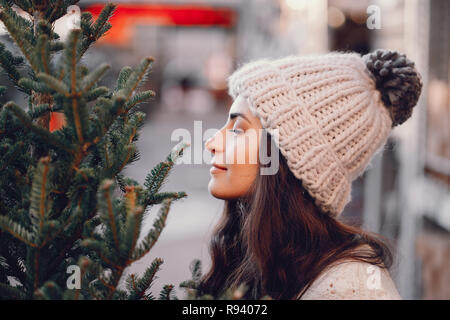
242,150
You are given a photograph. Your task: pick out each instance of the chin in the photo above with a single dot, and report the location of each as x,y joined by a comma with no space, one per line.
221,192
215,190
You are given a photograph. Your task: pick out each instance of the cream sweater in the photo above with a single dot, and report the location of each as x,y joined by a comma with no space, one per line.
353,280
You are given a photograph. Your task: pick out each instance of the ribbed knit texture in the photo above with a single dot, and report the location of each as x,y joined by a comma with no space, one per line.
329,114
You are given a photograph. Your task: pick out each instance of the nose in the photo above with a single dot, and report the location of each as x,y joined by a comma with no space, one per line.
213,145
209,145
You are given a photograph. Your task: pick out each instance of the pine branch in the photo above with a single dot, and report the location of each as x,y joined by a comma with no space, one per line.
56,46
123,77
41,110
107,212
89,81
161,196
8,292
11,154
138,286
138,98
11,254
102,19
20,21
86,266
9,63
132,224
70,58
96,92
130,150
31,85
167,292
196,274
123,132
58,10
93,31
196,270
76,110
153,235
156,177
19,30
159,173
53,83
86,23
93,244
43,27
39,194
25,5
17,231
135,78
43,53
108,109
49,291
45,134
68,245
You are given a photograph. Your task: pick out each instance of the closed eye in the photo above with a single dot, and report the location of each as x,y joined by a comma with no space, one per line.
236,131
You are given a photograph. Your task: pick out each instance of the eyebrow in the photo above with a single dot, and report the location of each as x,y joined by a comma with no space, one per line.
238,114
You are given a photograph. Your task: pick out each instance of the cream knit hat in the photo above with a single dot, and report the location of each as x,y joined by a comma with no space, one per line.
332,112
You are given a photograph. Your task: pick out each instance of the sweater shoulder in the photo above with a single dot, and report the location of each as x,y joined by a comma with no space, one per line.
353,280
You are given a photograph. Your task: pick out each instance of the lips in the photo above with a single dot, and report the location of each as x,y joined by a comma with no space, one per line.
219,167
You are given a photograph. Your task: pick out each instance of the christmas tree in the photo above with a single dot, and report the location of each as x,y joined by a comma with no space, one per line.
69,219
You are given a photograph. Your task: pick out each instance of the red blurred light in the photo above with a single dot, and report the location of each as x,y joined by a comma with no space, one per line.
126,16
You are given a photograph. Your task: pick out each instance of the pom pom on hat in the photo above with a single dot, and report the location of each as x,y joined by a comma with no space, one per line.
397,80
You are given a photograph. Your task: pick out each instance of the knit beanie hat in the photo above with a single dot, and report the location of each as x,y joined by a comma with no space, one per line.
332,112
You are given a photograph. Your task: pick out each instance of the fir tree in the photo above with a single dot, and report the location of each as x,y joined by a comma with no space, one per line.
63,199
191,287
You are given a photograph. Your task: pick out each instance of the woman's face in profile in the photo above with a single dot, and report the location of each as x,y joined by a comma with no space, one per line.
234,151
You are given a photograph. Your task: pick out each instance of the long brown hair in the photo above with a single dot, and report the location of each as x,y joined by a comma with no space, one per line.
277,241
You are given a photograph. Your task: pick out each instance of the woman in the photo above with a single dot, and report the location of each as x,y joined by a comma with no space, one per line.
280,234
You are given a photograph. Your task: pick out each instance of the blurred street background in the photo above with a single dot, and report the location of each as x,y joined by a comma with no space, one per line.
197,43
